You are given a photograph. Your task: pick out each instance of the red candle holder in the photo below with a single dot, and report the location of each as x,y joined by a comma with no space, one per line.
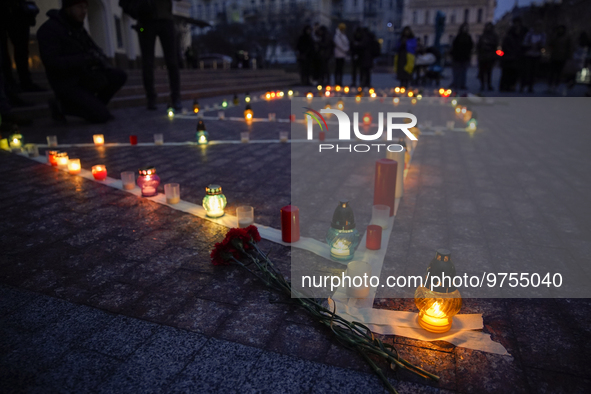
292,118
290,223
99,172
133,139
374,237
51,157
321,135
385,183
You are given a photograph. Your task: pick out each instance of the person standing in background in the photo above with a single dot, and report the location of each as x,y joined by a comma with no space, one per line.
355,56
325,53
486,48
404,60
460,52
513,53
341,47
305,49
17,16
560,48
533,43
158,23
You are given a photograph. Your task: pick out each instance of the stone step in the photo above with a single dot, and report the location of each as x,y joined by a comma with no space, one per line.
42,109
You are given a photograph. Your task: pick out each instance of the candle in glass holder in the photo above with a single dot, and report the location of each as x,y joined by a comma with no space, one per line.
221,115
148,181
133,139
62,159
4,144
244,137
51,141
128,180
292,118
99,172
290,223
51,157
32,150
358,287
272,117
172,192
74,166
99,139
214,201
451,124
321,135
158,139
373,240
245,216
283,136
16,142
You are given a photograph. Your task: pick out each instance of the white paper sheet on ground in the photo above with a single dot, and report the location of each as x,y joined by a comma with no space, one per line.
405,324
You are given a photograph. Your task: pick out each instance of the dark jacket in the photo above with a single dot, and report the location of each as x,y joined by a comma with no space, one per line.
67,51
487,46
512,48
462,48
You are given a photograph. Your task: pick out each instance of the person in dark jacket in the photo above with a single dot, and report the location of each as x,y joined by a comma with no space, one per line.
460,53
512,56
561,50
159,23
486,48
533,44
325,47
356,50
77,69
305,49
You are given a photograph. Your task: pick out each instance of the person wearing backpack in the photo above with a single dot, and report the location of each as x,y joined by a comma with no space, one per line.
154,19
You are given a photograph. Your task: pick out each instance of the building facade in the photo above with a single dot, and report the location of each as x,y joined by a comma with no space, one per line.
420,16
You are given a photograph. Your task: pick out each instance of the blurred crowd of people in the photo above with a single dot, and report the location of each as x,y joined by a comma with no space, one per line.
316,47
520,55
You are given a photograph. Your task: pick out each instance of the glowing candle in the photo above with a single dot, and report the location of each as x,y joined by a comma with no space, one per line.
99,172
214,201
248,114
342,236
148,181
62,159
74,166
196,106
346,90
170,112
16,142
51,157
396,101
99,139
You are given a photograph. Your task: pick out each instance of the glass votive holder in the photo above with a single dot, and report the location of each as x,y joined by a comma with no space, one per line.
51,141
373,239
380,215
450,124
51,157
74,166
172,192
428,124
245,216
358,287
99,172
283,135
32,150
62,159
245,137
221,115
99,139
158,139
272,117
128,180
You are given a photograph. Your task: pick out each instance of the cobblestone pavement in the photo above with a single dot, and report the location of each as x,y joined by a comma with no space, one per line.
104,291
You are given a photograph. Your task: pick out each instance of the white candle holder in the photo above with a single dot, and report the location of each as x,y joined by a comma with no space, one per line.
128,180
451,124
99,139
158,139
245,216
245,137
172,192
51,141
283,136
32,150
74,166
221,115
359,287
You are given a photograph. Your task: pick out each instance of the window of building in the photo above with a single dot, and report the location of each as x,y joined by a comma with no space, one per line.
466,15
427,17
415,17
118,32
479,20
